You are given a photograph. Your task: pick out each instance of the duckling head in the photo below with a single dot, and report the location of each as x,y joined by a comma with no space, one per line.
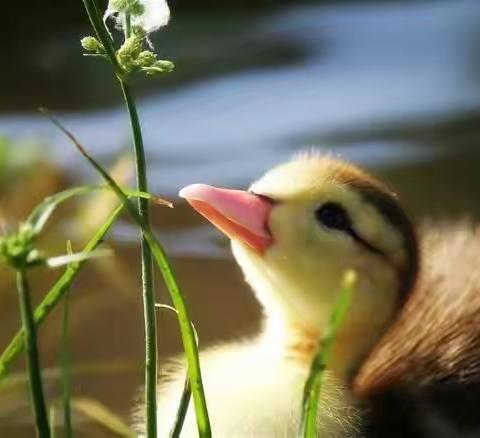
295,233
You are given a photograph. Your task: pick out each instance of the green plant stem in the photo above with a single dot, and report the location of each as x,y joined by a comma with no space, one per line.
65,363
314,383
182,410
52,420
33,363
186,393
187,333
102,34
147,271
143,210
148,286
186,328
143,218
54,295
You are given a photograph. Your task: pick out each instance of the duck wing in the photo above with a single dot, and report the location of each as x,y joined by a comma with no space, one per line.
437,334
423,377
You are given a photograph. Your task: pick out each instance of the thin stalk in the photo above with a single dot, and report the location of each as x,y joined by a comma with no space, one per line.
148,291
147,270
65,364
52,420
102,34
148,286
315,380
148,245
33,363
187,389
187,332
54,295
182,410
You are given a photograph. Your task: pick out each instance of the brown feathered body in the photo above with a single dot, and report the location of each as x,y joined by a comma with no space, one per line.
437,333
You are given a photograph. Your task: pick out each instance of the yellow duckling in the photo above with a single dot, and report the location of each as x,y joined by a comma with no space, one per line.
294,234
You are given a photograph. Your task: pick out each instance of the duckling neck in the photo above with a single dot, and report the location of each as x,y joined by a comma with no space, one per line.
293,330
299,342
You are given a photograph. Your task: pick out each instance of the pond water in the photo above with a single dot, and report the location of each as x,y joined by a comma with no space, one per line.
392,86
375,70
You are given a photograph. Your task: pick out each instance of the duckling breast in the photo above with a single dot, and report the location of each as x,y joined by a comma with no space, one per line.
253,392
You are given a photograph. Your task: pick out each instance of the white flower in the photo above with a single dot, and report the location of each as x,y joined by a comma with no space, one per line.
150,15
156,15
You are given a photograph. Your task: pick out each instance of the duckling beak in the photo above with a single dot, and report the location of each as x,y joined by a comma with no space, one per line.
240,215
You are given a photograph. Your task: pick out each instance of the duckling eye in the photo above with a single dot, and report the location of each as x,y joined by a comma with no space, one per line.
333,216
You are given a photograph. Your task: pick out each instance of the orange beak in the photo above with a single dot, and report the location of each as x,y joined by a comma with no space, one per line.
240,215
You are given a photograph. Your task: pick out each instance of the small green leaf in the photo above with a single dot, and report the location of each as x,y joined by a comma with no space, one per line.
42,212
53,296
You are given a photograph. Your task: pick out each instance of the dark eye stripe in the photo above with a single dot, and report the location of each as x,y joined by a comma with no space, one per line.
387,205
333,216
367,245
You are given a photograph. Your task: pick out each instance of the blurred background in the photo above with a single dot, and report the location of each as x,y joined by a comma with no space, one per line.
391,85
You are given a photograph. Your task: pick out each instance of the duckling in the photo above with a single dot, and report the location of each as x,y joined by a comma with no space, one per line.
294,233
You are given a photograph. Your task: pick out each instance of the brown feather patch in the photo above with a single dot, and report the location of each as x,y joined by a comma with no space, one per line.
437,335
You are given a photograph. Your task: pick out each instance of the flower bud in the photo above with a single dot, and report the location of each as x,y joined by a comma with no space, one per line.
165,65
146,59
129,52
160,67
91,44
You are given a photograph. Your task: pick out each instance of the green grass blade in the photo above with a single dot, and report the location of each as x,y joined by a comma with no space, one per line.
182,409
35,383
52,420
54,295
186,392
37,219
42,212
186,330
147,270
314,383
65,363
